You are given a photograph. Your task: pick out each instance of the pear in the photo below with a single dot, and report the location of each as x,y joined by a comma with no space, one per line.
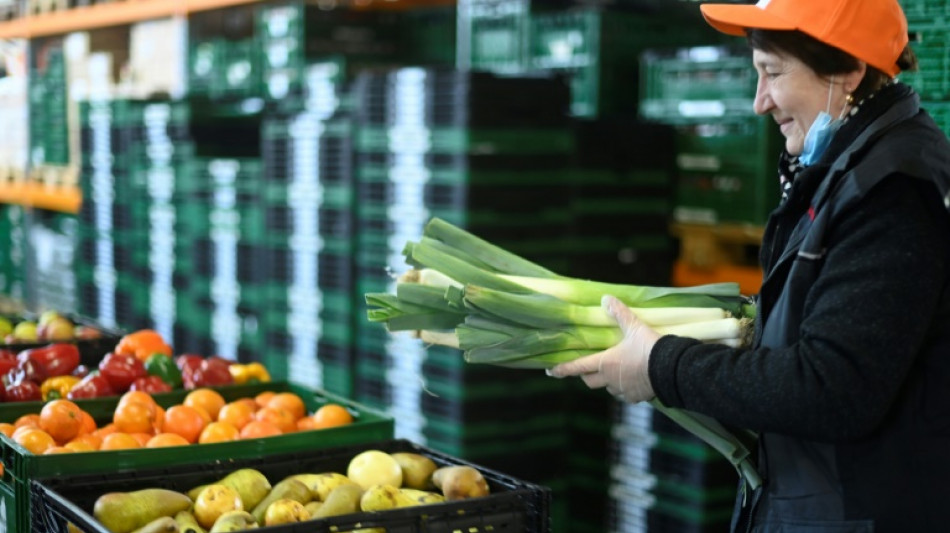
344,499
374,467
284,511
234,521
289,489
383,497
124,512
187,523
422,497
165,524
417,469
249,483
459,482
313,506
213,501
320,485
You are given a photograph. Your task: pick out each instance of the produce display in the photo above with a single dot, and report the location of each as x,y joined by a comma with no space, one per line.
49,326
245,498
203,416
501,309
140,361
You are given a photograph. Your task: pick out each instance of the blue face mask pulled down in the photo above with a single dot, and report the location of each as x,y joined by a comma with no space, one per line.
820,133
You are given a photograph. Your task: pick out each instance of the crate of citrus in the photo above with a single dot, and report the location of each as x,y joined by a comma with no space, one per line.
180,427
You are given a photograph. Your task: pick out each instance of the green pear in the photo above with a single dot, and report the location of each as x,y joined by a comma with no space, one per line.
165,524
289,489
25,331
124,512
344,499
234,521
417,469
251,485
321,484
187,523
6,327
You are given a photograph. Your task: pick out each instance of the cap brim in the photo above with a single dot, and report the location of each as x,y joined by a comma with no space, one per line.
734,19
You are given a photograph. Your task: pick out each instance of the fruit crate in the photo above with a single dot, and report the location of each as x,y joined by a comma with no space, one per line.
513,505
91,351
929,40
21,466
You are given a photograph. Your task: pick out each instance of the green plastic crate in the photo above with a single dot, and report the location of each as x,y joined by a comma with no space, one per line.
930,41
21,466
940,111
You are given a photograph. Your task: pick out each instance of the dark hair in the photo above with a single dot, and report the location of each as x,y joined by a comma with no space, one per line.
825,59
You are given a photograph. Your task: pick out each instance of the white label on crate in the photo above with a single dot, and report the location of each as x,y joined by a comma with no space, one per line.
702,108
703,162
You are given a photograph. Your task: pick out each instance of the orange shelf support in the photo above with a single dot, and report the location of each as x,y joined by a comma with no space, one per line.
105,15
64,199
748,278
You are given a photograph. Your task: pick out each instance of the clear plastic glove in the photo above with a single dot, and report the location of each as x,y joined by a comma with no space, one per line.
623,369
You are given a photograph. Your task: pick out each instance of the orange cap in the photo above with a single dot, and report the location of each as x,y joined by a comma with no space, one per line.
874,31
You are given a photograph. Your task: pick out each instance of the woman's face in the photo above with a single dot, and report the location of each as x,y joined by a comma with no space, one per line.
793,94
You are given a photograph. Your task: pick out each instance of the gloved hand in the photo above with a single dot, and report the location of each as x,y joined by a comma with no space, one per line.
623,368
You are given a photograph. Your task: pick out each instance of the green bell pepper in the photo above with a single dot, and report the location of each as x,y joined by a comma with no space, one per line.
163,366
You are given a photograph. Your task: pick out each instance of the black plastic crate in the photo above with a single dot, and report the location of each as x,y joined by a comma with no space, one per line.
91,351
513,506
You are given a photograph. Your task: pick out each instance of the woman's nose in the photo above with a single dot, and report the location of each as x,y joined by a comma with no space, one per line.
763,102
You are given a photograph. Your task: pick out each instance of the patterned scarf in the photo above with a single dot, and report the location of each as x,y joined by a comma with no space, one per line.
789,167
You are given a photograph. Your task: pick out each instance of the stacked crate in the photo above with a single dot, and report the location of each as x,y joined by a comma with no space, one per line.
486,153
47,106
13,260
663,479
132,152
725,153
492,35
622,184
598,51
308,200
928,24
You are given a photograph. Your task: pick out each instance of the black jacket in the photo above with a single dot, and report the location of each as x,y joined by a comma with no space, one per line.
849,382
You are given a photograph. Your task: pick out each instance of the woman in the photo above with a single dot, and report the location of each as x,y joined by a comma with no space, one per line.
848,380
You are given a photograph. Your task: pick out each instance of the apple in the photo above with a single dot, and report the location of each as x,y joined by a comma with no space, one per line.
57,328
25,331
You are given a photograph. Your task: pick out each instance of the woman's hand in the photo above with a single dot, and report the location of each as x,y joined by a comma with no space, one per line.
623,369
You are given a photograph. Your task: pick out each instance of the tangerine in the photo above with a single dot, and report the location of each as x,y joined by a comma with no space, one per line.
289,402
30,419
263,397
185,421
218,431
119,441
143,438
136,396
306,423
57,449
237,413
7,428
80,446
331,415
34,439
256,429
167,439
208,399
88,424
279,417
62,419
134,417
88,439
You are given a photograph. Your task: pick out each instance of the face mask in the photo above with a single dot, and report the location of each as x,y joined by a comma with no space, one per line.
820,133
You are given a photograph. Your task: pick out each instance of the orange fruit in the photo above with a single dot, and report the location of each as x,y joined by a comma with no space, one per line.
88,424
263,397
7,428
219,432
281,418
208,399
119,441
250,402
289,402
205,415
256,429
166,439
236,413
306,423
134,417
62,419
57,449
80,446
89,439
136,396
331,415
143,438
185,421
35,440
32,419
105,430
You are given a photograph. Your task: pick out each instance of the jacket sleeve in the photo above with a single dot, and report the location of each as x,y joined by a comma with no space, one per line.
865,321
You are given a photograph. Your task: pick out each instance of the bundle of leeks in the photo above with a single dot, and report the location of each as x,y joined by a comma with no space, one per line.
501,309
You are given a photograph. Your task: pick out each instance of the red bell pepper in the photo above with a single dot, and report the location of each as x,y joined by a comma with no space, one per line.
150,384
91,386
57,359
25,391
212,372
121,370
7,361
27,370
